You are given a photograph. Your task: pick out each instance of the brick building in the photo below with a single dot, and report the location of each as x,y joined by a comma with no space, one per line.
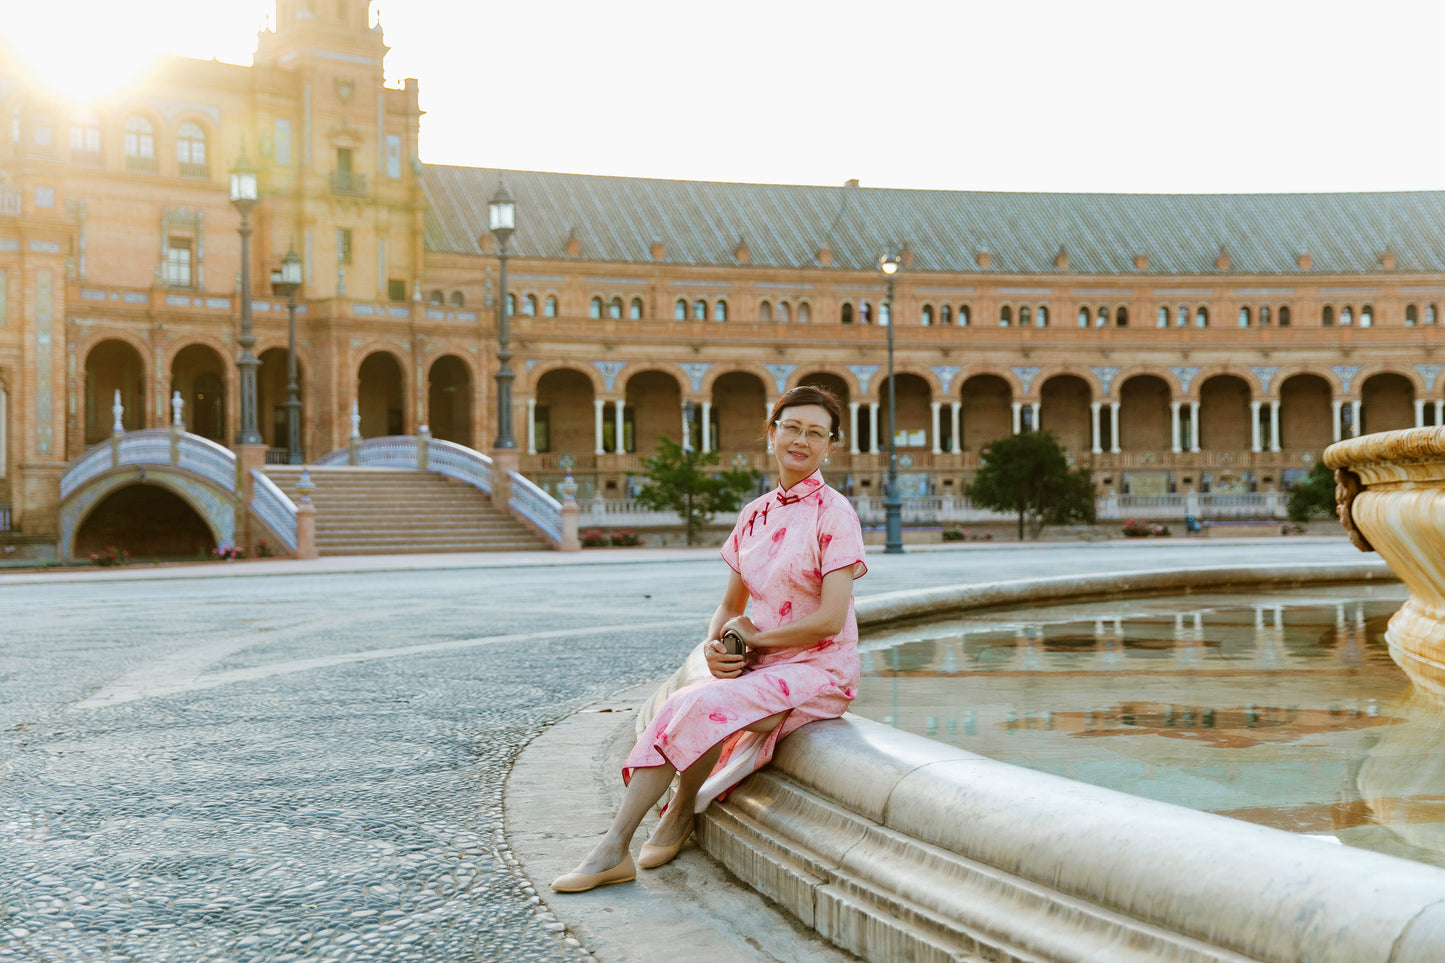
1173,343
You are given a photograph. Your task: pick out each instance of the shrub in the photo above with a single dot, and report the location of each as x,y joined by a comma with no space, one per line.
228,553
263,550
1133,529
955,534
110,555
592,538
625,537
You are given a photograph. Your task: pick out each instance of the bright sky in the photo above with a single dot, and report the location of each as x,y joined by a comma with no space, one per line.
1034,95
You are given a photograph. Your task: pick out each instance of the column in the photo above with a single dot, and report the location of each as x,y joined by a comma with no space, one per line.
1094,407
1274,425
852,427
1174,427
686,428
4,429
1193,426
1355,418
1018,408
1033,416
1439,413
936,406
1338,427
873,407
618,446
597,405
707,426
1114,427
1419,412
531,426
1254,426
956,437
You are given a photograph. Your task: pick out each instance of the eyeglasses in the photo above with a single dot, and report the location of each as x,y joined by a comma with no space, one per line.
788,432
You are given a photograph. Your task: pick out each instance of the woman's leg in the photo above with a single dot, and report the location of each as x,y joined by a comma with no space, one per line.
643,790
678,817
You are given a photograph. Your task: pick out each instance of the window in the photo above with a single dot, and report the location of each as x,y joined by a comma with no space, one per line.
1121,317
1246,318
1430,314
1412,316
393,156
41,133
191,150
1181,316
679,310
1101,320
805,313
765,312
458,300
945,314
634,310
140,145
549,307
542,430
178,263
594,308
282,146
1163,320
1201,317
1026,318
699,310
396,290
785,312
720,310
614,308
1284,315
846,314
1005,316
1347,316
1084,317
44,197
511,305
925,317
436,297
1367,316
1264,316
343,245
885,313
1042,318
1327,317
85,139
529,306
865,313
964,317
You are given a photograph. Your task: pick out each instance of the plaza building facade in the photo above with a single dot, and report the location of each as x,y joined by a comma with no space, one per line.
1204,343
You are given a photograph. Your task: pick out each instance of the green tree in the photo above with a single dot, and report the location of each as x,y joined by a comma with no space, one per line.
1314,497
1029,474
688,482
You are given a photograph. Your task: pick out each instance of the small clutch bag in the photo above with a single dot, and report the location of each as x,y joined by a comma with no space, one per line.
733,643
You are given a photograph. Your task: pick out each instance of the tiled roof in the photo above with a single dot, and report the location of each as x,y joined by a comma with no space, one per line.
617,219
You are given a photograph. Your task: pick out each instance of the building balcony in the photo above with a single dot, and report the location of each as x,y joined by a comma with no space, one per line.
87,158
143,165
348,182
188,169
9,202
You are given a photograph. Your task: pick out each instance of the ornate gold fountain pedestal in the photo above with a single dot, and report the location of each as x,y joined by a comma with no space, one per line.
1390,489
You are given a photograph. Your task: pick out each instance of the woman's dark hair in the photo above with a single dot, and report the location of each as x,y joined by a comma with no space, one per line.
810,395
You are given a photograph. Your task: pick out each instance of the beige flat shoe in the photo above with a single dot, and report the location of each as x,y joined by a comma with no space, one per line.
652,856
623,872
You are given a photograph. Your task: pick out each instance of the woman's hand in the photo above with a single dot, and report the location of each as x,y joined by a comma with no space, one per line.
719,663
744,627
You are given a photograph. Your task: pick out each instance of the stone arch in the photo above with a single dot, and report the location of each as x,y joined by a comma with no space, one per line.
1306,418
272,393
200,372
1224,412
542,369
1387,402
1409,373
1064,400
986,413
921,371
214,508
449,399
1130,371
739,398
113,364
848,380
913,393
565,413
1144,413
653,396
381,392
636,368
723,369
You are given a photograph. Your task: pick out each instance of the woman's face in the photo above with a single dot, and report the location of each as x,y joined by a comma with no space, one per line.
800,439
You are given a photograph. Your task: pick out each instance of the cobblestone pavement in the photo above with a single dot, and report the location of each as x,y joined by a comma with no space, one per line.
311,766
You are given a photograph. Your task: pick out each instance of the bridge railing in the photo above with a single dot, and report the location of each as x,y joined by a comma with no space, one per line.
535,505
154,446
274,507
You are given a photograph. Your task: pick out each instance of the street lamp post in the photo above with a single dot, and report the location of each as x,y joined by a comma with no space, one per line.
284,284
244,196
502,220
892,502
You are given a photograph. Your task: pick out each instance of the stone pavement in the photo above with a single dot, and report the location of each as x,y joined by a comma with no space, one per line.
205,763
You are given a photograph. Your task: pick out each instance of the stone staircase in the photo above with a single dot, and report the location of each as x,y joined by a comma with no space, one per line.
396,511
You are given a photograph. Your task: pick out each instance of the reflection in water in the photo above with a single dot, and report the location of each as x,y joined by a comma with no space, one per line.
1281,708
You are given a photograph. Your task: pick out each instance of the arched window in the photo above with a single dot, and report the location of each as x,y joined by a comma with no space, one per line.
594,308
549,306
614,308
945,314
1327,316
1412,316
885,312
140,144
925,317
964,316
1367,316
1084,317
1121,317
846,314
1430,314
1347,316
805,313
85,139
765,312
511,305
436,297
1264,316
785,312
1005,316
699,310
1163,320
865,313
634,310
1181,316
529,306
719,310
191,150
1201,317
1245,318
679,310
1284,315
1102,319
1026,317
458,300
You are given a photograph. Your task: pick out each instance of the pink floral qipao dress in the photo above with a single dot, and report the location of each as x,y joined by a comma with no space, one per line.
782,546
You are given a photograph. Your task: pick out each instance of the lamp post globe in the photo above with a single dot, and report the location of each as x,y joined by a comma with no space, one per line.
244,197
501,221
892,500
284,284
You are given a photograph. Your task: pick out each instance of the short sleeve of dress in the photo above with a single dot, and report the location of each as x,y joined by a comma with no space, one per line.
840,539
730,546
